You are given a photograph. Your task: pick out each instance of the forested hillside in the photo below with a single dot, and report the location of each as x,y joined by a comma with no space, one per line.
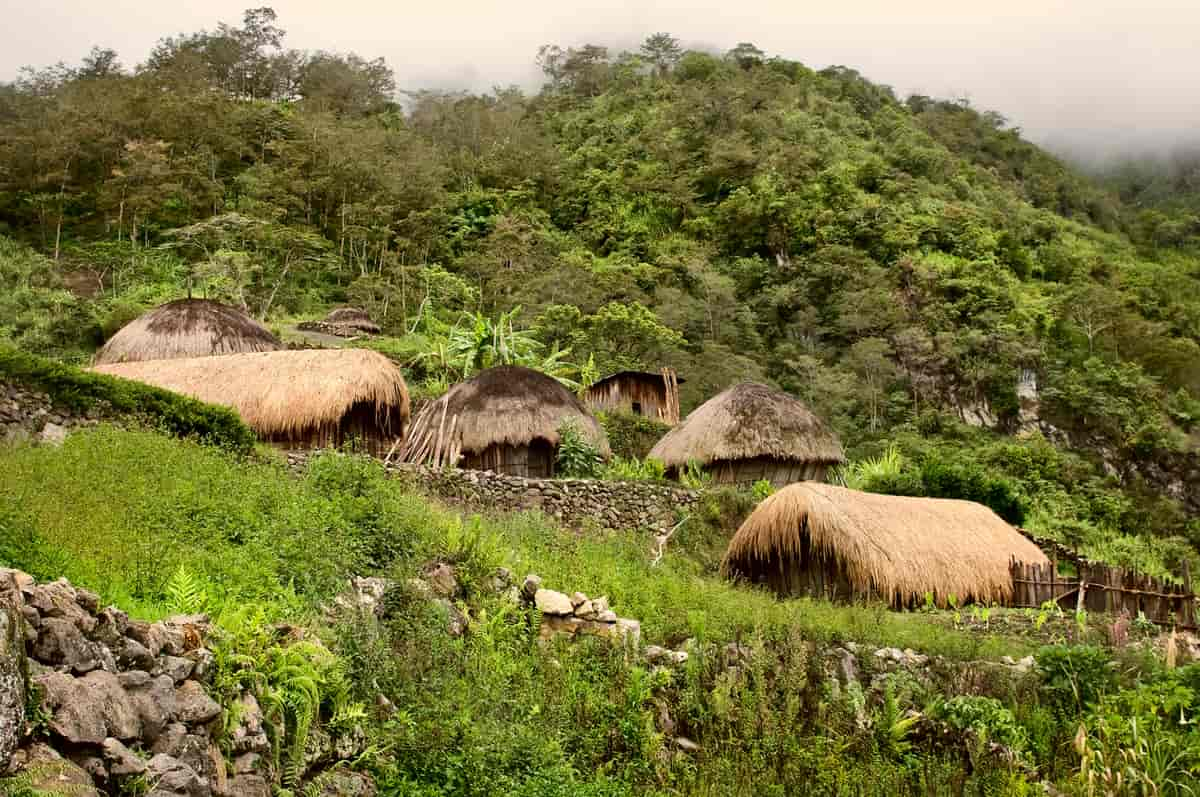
903,265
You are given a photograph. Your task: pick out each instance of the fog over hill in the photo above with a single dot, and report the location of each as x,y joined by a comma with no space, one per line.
1092,79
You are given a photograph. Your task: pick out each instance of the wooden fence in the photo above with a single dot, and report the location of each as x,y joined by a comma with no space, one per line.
1100,588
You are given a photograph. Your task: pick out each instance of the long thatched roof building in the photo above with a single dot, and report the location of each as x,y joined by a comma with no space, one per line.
314,398
826,541
504,419
751,432
187,328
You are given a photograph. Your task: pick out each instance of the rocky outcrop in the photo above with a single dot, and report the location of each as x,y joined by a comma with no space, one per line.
575,502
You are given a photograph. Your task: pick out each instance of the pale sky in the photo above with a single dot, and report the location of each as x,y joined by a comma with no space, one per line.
1095,75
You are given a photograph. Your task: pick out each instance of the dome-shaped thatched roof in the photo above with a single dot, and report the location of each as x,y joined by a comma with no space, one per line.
894,547
746,421
352,319
187,328
507,405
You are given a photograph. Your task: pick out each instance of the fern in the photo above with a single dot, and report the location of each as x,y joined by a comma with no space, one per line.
186,593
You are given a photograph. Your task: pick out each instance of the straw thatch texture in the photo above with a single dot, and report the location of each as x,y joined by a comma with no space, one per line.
187,328
311,398
505,416
829,541
352,319
749,421
650,395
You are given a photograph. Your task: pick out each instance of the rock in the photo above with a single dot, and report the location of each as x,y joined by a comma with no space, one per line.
193,706
133,654
550,602
202,663
88,710
50,773
559,625
120,760
170,777
501,580
578,599
630,632
193,749
659,655
585,610
247,764
52,434
249,736
13,670
606,616
442,580
530,586
111,625
177,668
148,635
248,786
364,595
61,643
341,783
600,605
87,600
686,745
156,703
58,599
847,666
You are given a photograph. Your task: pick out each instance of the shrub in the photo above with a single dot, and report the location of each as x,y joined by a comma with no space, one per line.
1074,677
621,469
631,436
577,458
80,390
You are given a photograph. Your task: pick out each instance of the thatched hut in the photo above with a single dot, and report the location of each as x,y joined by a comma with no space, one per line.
347,322
825,541
751,432
651,395
504,419
187,328
313,398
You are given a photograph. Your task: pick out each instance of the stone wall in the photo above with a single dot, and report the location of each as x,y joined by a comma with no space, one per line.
27,414
575,502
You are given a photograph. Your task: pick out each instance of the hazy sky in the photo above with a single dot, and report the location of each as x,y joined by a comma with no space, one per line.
1099,75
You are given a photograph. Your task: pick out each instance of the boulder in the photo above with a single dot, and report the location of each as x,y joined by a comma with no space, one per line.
88,710
193,749
155,701
170,777
13,671
119,760
50,773
248,786
193,706
249,736
442,579
52,434
60,643
341,783
530,586
550,602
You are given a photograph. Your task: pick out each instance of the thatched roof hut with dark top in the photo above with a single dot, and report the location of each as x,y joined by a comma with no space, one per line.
831,542
504,419
752,432
352,319
187,328
313,398
651,395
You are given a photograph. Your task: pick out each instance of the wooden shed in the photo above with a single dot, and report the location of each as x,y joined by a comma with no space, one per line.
752,432
504,419
831,542
651,395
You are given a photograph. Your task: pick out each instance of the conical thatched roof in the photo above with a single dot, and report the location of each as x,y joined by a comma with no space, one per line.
352,318
286,394
746,421
508,405
894,547
187,328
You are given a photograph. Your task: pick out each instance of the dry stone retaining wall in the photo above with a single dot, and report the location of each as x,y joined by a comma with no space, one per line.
575,502
27,414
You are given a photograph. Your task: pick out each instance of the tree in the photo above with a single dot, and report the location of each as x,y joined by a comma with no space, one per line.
870,358
662,50
746,55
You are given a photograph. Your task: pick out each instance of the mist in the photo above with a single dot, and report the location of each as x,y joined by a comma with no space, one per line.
1090,79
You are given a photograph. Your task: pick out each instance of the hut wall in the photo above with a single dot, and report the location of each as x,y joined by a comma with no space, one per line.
807,574
363,425
624,393
533,461
779,472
